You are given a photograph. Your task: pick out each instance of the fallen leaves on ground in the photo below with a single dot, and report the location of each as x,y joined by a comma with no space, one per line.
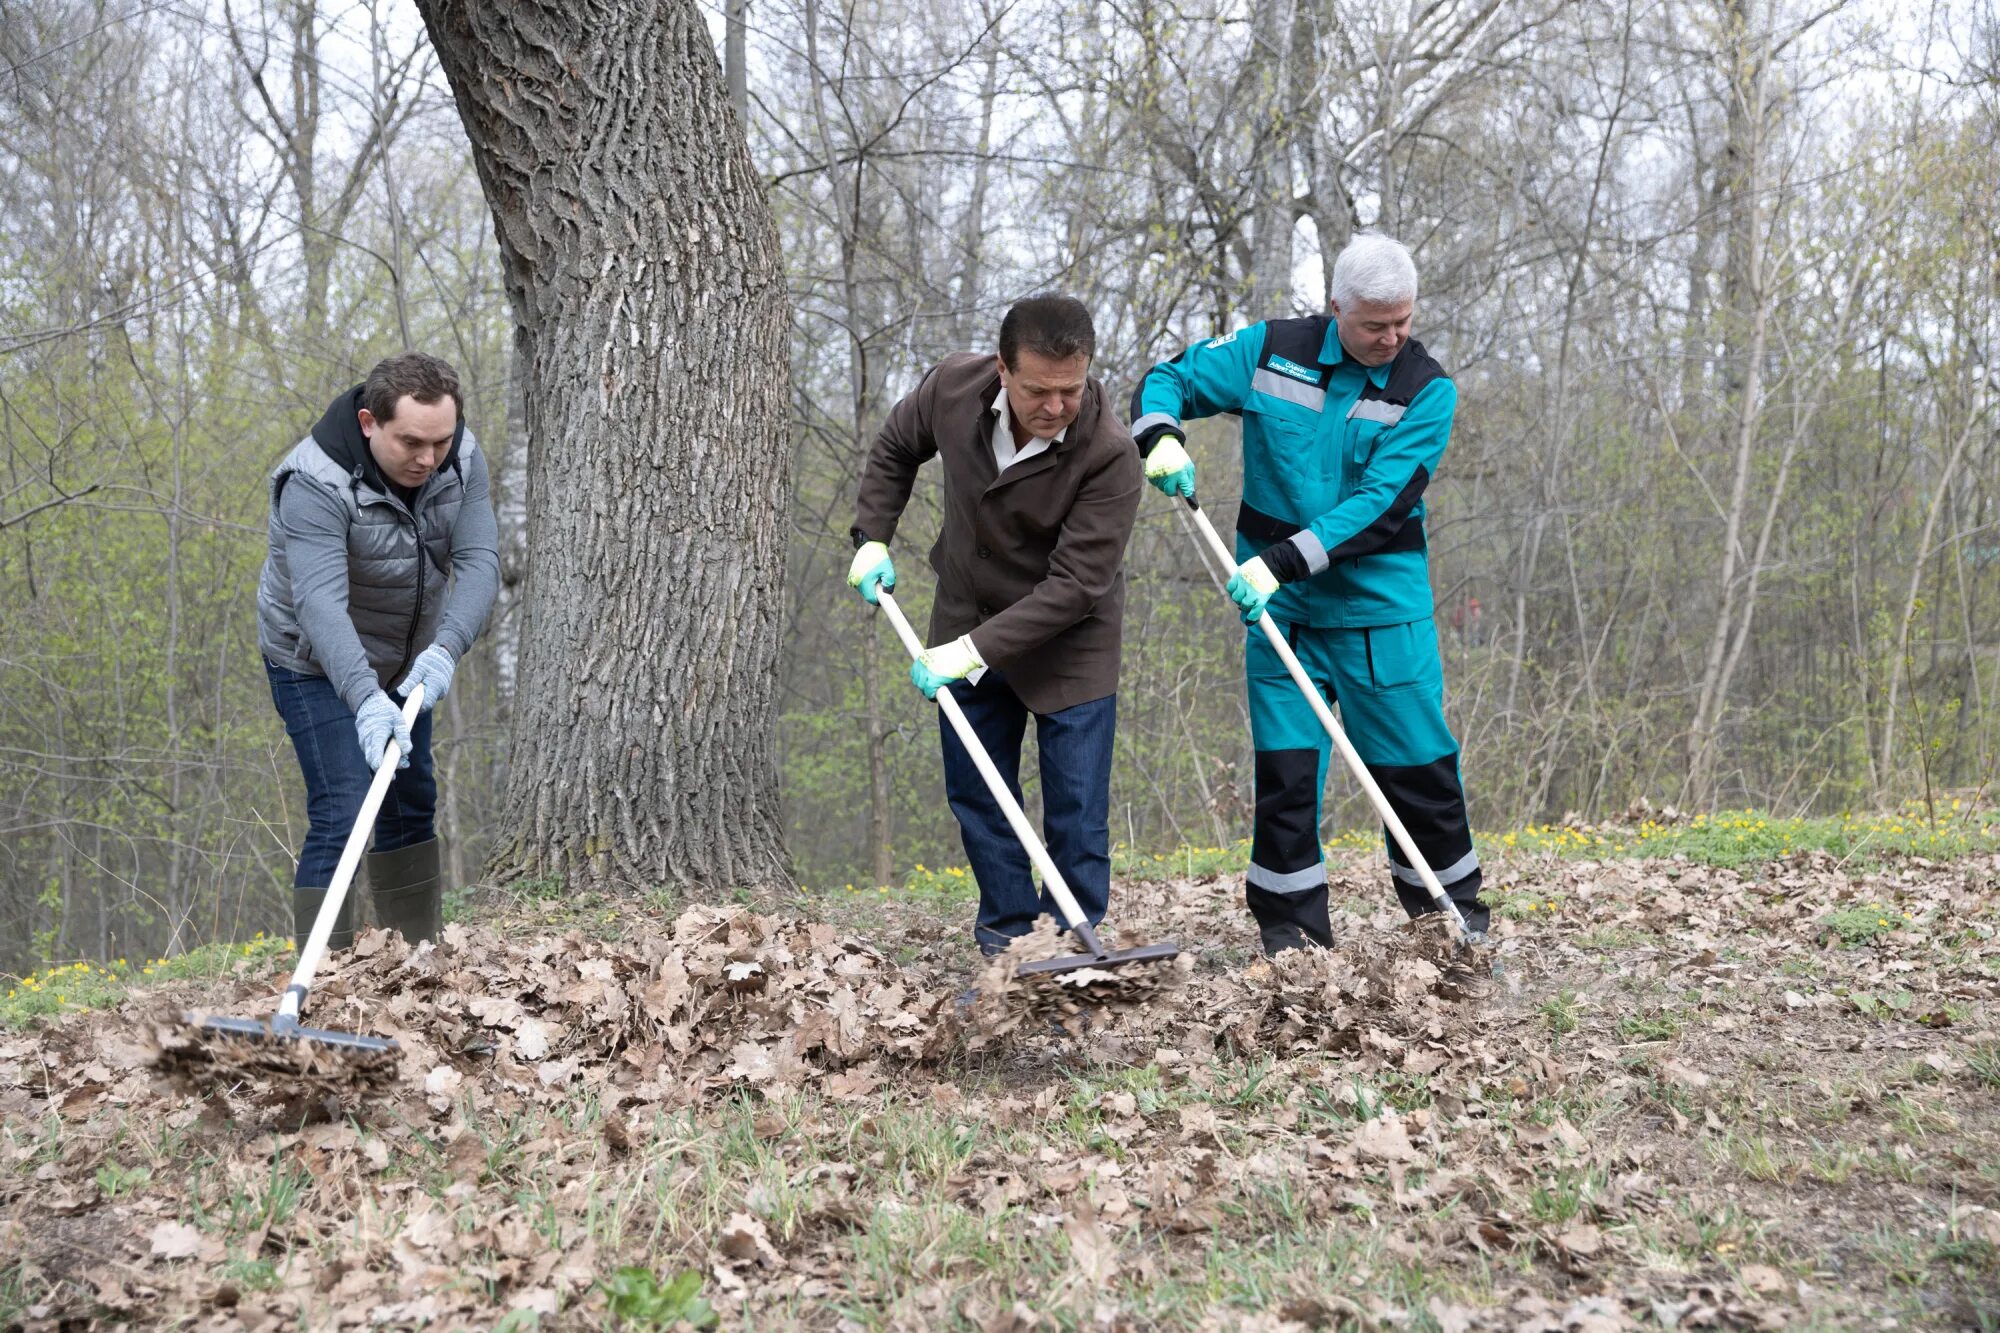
789,1118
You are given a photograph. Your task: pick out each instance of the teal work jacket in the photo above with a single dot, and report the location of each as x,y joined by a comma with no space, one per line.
1336,456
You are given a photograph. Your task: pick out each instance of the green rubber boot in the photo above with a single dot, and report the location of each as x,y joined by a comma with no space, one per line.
306,903
409,890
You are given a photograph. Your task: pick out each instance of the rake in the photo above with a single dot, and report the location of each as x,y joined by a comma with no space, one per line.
282,1041
1355,765
1095,954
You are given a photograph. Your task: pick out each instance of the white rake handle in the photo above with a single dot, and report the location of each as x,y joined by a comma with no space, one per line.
1052,878
350,861
1390,820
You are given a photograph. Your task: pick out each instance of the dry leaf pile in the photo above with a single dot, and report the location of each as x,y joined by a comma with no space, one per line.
722,998
1688,1098
294,1073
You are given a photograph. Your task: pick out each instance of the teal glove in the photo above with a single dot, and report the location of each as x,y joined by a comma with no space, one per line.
378,720
432,670
1251,586
872,570
942,665
1170,469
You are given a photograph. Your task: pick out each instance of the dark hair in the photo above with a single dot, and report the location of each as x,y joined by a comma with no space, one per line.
1057,327
409,375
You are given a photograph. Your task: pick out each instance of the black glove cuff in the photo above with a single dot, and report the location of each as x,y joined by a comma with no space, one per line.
859,537
1286,562
1155,435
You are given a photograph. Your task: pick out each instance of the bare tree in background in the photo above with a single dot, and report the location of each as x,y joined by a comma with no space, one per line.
282,95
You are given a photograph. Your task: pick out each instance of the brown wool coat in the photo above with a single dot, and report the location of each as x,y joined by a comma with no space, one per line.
1029,561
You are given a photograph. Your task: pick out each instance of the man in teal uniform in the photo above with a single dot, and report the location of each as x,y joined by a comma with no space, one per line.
1345,418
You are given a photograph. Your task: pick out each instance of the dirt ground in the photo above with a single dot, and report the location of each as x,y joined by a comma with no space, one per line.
1689,1097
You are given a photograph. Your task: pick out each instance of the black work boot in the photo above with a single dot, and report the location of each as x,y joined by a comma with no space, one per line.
306,903
409,890
1290,920
1278,936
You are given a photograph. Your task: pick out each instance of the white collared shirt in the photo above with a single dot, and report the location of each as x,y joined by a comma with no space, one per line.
1005,455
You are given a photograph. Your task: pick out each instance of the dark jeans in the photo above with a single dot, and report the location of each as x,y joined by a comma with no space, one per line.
1076,805
337,777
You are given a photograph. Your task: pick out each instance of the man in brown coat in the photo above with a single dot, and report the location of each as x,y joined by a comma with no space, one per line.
1041,483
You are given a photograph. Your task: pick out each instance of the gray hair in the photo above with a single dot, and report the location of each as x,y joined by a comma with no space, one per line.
1374,269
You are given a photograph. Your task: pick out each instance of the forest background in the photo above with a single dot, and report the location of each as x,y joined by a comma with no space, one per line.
1719,281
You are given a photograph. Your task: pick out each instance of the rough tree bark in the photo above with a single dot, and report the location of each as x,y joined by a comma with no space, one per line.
642,263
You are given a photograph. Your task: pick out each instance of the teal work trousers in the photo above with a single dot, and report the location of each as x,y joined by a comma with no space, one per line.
1388,685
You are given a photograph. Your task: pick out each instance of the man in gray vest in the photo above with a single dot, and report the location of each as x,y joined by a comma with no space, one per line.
383,564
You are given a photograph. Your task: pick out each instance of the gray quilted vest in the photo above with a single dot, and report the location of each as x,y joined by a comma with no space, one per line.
395,583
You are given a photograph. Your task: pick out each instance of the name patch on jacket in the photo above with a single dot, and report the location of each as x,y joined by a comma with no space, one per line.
1285,366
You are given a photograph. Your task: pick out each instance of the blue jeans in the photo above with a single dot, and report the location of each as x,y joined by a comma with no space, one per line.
1076,805
321,726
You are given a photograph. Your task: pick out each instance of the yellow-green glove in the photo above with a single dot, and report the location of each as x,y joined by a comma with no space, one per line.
871,571
942,665
1251,586
1170,469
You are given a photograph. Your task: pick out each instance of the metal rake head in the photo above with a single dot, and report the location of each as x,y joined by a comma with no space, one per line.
1164,952
209,1049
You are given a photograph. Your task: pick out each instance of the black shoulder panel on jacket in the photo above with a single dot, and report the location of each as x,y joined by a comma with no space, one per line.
1409,373
1296,340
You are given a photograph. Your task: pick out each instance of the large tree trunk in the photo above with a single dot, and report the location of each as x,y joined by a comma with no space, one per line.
642,263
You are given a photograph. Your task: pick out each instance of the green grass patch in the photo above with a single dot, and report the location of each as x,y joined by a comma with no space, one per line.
1707,1228
1859,925
929,886
1983,1063
539,889
1759,1157
1564,1194
115,1180
1867,921
1660,1025
1729,838
1191,861
68,987
638,1299
1226,1278
256,1274
548,905
1744,837
1518,904
954,884
1835,1163
1890,1004
15,1294
1563,1012
947,884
